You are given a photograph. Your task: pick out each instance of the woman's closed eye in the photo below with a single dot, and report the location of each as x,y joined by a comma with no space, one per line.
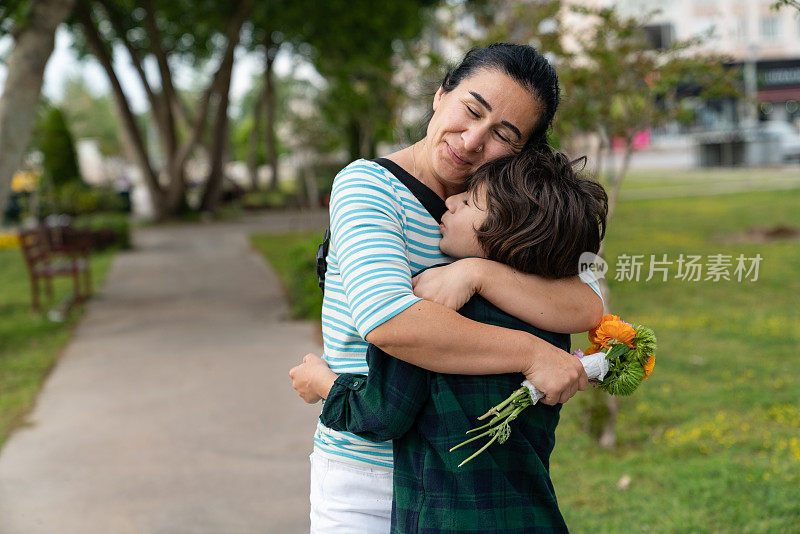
500,136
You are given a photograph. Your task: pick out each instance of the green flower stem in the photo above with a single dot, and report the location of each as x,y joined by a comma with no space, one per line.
487,425
480,450
490,431
495,410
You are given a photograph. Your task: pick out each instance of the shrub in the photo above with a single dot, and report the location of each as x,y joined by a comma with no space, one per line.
107,230
269,199
53,138
78,199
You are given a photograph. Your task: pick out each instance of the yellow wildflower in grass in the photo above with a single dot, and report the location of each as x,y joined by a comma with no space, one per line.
8,241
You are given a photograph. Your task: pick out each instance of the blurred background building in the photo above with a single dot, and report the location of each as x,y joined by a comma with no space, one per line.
761,41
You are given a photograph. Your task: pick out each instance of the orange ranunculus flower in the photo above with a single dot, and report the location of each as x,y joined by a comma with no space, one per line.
612,328
593,349
648,367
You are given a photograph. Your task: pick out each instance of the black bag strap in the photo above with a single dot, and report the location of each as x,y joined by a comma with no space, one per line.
432,203
322,255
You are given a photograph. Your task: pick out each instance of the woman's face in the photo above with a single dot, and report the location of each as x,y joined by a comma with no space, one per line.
486,116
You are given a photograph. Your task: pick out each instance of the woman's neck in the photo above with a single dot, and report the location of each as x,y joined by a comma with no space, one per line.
413,160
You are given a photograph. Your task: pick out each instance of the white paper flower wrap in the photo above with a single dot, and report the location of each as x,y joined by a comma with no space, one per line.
596,367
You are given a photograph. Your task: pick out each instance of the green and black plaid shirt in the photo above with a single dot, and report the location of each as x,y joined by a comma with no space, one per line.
506,489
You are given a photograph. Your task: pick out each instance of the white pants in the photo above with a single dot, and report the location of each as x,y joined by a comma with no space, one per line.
347,498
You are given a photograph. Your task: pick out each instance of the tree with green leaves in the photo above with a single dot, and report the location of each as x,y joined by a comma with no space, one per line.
276,25
616,84
32,25
354,45
169,33
787,3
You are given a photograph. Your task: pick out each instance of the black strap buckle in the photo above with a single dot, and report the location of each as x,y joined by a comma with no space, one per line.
322,254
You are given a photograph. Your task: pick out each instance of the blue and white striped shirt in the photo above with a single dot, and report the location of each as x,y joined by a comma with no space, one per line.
381,236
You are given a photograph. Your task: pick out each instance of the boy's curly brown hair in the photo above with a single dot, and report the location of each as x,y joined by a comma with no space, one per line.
542,214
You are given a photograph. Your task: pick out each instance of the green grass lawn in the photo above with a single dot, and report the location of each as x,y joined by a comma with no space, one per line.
29,342
711,442
293,257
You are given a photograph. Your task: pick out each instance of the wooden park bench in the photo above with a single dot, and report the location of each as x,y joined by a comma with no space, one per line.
52,251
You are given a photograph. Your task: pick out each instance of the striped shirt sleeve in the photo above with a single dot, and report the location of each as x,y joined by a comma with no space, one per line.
367,237
591,279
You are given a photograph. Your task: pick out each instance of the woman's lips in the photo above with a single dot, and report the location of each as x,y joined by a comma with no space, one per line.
454,156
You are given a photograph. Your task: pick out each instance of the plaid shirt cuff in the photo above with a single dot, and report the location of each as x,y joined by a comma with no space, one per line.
348,381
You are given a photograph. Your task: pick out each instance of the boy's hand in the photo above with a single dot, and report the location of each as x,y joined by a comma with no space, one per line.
312,379
557,374
451,285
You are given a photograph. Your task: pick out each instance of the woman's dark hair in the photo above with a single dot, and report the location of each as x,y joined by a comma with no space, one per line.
542,215
524,65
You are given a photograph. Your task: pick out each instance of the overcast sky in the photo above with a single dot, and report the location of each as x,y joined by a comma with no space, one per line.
64,64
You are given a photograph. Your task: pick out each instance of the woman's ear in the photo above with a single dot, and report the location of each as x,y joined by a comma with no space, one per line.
438,97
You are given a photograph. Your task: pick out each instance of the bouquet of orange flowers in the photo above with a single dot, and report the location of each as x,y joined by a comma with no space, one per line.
620,357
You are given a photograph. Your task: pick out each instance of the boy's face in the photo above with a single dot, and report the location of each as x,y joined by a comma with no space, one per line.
465,213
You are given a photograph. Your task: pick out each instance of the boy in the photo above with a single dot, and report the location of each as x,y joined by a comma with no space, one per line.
530,211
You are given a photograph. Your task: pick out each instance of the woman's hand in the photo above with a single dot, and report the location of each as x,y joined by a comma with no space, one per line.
312,379
451,285
557,374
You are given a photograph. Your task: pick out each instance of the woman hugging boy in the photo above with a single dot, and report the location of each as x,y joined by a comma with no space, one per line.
535,213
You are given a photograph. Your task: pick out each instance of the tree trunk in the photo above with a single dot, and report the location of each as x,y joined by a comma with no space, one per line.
213,190
269,106
368,144
310,185
20,101
255,142
129,123
354,141
619,175
170,199
168,130
601,146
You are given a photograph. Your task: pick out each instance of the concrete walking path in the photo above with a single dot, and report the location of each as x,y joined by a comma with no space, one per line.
171,411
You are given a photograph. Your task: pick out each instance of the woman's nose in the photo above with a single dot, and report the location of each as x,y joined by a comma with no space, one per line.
473,138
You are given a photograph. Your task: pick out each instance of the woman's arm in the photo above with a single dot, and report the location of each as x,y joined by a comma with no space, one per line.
566,305
369,246
439,339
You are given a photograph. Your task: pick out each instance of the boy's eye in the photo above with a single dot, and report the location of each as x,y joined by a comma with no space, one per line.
473,112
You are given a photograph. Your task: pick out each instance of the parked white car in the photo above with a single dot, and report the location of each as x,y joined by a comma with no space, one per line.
787,135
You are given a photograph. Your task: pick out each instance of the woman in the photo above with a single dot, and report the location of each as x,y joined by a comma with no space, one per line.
385,226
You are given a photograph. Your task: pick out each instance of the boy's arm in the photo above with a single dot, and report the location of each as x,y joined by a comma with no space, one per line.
369,245
567,305
381,406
